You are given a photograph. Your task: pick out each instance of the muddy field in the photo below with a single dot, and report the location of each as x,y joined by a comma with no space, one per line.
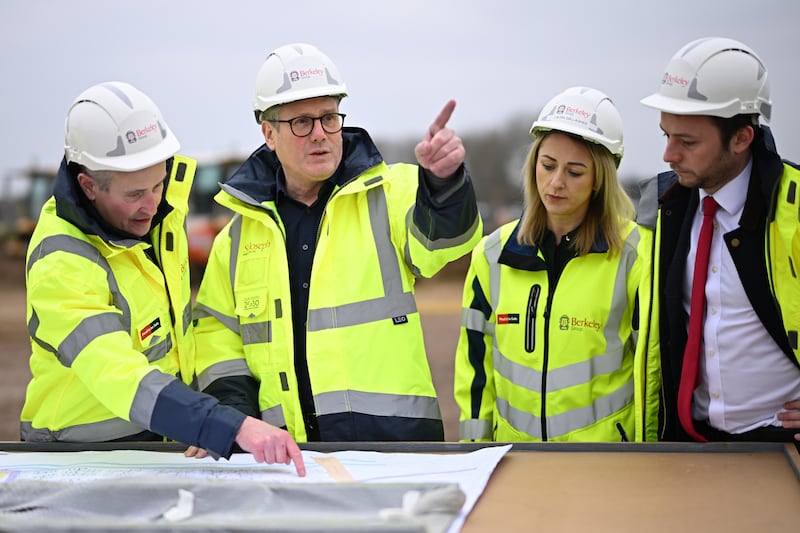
439,303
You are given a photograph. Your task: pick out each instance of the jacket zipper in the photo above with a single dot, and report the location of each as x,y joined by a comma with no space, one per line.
530,319
545,354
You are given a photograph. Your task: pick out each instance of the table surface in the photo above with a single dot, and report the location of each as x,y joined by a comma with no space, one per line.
577,487
674,491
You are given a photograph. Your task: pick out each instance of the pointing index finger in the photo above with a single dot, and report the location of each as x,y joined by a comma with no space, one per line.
441,121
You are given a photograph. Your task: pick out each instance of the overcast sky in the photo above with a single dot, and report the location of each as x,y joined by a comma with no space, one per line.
401,60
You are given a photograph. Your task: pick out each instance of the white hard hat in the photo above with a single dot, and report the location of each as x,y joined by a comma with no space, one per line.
587,113
714,76
295,72
114,126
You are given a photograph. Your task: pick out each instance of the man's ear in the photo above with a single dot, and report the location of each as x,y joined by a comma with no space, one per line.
88,185
742,139
269,132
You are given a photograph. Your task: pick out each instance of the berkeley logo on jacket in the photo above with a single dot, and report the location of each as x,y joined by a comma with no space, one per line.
539,360
364,346
110,324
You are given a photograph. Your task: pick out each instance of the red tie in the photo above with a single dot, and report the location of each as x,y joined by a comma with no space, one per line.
697,310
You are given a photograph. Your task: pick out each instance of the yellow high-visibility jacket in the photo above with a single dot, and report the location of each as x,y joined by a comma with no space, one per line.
366,357
537,362
109,317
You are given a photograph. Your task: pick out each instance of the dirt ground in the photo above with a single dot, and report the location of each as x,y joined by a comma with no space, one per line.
439,303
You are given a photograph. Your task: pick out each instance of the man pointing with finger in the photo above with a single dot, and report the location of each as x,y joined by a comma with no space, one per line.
306,316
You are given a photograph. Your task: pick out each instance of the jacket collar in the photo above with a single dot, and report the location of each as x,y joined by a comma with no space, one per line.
526,257
258,176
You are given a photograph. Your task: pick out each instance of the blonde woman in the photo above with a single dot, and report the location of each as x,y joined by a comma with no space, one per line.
548,344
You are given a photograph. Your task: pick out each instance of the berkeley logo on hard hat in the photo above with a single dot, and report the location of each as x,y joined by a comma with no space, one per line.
305,74
140,133
572,110
669,79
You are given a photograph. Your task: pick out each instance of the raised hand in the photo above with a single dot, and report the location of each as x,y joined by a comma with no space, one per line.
441,151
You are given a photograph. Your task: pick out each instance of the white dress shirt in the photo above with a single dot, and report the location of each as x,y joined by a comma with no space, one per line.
745,378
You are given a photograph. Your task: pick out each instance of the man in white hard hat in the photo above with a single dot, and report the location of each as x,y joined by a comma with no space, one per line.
729,348
307,303
108,293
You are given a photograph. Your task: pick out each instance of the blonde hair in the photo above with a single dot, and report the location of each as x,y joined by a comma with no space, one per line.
610,207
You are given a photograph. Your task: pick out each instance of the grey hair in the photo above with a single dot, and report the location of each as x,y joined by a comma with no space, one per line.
103,178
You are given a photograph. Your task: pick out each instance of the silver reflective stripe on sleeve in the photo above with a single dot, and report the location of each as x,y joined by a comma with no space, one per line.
473,320
442,243
107,430
144,400
90,327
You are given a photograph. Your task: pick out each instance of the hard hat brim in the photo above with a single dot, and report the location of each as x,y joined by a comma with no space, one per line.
678,106
262,104
133,162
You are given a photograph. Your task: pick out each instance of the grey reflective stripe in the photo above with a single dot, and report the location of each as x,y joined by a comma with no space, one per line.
443,243
88,330
377,404
557,378
187,317
235,234
451,188
407,258
203,311
256,332
77,340
154,353
569,421
474,320
65,243
491,250
395,302
361,312
224,369
33,326
619,298
114,428
474,429
146,395
274,416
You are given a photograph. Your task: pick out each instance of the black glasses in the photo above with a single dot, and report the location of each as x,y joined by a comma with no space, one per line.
303,126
